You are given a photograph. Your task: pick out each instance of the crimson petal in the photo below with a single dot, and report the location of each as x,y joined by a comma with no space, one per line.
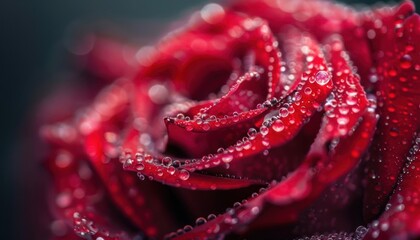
294,111
79,199
348,102
293,194
244,95
198,137
105,58
397,61
135,200
213,47
320,18
161,169
401,219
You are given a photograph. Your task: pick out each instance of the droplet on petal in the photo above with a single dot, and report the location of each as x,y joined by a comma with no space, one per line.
184,175
322,77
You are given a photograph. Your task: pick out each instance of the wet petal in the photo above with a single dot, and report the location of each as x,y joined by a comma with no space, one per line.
162,170
79,199
401,219
104,58
348,101
293,112
320,18
243,96
198,137
397,61
210,59
296,192
141,203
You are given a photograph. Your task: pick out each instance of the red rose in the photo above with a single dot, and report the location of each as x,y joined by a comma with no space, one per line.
313,103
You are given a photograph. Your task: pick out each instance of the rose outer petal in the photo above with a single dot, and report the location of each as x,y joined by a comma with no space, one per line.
397,61
107,112
141,203
105,59
79,199
401,219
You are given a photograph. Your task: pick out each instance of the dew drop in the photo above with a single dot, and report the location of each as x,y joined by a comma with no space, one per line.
171,170
284,112
176,163
63,199
63,159
140,167
322,77
227,158
373,78
342,120
141,176
184,175
405,61
252,132
212,13
180,116
384,226
188,228
392,72
200,221
167,161
393,133
360,232
235,117
264,130
307,90
255,210
278,126
158,93
375,234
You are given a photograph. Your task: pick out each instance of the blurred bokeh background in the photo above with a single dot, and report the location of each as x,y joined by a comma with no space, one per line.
35,35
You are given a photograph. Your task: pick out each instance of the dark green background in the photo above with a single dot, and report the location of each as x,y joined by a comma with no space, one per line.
32,32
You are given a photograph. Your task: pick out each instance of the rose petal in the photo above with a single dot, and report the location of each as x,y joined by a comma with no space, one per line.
104,58
79,199
338,209
198,137
397,61
320,18
293,194
401,219
348,102
294,55
243,96
141,203
161,169
294,111
277,162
